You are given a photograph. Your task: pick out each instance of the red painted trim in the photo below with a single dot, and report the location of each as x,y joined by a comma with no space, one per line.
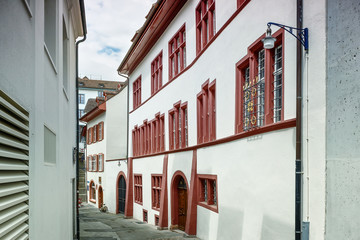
191,216
102,193
121,173
208,204
174,195
129,190
178,49
163,219
94,113
156,220
264,129
200,53
156,72
138,189
136,89
155,190
145,212
91,197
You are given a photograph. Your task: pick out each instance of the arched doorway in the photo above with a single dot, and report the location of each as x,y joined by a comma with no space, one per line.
100,197
121,193
179,200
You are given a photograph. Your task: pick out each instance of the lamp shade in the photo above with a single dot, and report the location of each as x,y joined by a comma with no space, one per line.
269,42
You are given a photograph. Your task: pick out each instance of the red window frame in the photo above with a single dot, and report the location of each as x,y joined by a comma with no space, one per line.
92,192
178,134
94,161
101,155
156,180
100,130
94,134
156,73
208,195
206,112
177,53
245,119
137,93
88,163
156,219
138,189
145,216
205,23
90,131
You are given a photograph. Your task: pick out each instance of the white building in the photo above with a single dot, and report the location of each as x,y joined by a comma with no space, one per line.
38,118
106,153
213,120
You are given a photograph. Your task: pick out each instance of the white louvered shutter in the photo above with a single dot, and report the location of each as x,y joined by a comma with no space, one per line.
14,170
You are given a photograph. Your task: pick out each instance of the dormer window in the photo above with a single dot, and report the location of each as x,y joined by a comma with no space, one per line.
81,83
101,85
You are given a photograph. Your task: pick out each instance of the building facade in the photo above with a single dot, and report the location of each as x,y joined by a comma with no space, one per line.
213,117
38,118
106,153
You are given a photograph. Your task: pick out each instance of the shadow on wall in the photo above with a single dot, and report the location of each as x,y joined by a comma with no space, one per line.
230,223
274,229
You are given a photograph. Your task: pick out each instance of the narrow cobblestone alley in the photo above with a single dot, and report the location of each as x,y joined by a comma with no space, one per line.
96,225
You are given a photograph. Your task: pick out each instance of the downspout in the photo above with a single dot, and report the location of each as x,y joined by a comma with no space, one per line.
127,117
83,20
298,162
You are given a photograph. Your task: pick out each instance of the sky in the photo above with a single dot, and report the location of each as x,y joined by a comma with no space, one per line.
110,25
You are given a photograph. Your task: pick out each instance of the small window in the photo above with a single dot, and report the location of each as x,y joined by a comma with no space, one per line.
156,180
138,188
145,215
205,23
50,27
178,126
208,192
100,131
137,93
94,163
49,146
81,98
92,192
157,220
65,58
81,83
100,162
156,73
81,112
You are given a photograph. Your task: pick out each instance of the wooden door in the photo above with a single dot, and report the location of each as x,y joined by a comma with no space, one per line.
121,194
100,197
182,204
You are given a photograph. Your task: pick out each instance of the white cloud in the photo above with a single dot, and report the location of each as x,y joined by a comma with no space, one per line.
111,24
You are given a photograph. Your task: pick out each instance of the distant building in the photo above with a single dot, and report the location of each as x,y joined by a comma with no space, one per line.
38,118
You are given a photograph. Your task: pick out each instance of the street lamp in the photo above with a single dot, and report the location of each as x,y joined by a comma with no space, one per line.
302,35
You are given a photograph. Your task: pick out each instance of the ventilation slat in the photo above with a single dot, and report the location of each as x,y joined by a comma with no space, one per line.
10,213
13,109
12,224
14,234
12,188
8,164
13,176
12,200
12,142
12,153
9,129
13,120
24,236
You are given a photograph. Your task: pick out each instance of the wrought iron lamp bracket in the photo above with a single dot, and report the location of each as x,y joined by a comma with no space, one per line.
302,34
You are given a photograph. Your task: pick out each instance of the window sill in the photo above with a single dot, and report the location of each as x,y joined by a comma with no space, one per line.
213,208
50,58
140,203
66,94
156,209
92,200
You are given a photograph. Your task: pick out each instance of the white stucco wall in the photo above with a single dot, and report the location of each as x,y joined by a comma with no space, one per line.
89,93
29,78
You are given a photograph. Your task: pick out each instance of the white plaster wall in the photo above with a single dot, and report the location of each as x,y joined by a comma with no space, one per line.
116,121
255,188
88,94
314,118
146,167
217,62
28,77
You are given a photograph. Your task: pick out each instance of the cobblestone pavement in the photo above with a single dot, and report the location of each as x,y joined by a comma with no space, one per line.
96,225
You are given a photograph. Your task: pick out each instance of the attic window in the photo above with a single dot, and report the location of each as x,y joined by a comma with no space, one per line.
101,85
81,83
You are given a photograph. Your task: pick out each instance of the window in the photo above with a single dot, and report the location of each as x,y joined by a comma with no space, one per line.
94,163
145,215
89,166
156,73
157,220
81,112
100,162
156,191
138,188
205,23
92,192
82,98
150,136
178,126
259,91
65,57
100,94
49,146
94,134
100,131
208,192
206,112
50,28
177,53
137,93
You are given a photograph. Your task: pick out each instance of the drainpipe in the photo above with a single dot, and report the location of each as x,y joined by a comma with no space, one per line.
83,20
298,162
127,131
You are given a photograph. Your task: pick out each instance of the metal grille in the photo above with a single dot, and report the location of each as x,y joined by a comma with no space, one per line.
14,170
277,84
261,88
